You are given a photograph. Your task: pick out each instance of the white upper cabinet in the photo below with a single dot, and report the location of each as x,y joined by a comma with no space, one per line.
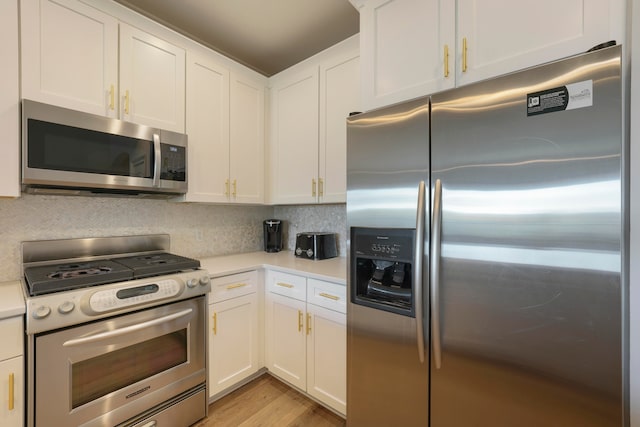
310,103
225,124
412,48
9,101
339,96
246,147
69,55
404,48
294,138
152,80
208,130
503,36
72,57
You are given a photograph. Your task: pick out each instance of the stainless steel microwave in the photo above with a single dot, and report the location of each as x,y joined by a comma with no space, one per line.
71,152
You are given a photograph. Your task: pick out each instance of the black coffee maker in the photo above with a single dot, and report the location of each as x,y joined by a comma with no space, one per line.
273,235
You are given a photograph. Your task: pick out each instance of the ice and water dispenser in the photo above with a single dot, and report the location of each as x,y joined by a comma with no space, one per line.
381,269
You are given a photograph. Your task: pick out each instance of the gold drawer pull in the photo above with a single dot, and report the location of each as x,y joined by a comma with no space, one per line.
333,297
285,285
308,323
236,285
299,320
11,392
215,323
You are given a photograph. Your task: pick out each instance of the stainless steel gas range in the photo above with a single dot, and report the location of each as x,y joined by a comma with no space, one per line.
116,333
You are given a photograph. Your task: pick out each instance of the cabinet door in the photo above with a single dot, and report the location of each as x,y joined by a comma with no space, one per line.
503,36
327,356
247,140
403,49
69,55
285,339
9,101
208,130
234,343
12,392
294,138
152,80
339,96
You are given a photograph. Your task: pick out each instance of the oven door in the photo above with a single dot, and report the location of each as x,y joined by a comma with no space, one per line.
107,372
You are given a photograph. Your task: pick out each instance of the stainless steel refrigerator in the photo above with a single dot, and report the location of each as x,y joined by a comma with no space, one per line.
486,253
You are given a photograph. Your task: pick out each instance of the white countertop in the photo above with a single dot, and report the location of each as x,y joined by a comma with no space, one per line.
332,269
11,299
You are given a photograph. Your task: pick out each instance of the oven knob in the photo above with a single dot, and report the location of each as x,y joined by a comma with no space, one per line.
204,280
310,253
192,283
66,307
41,312
298,251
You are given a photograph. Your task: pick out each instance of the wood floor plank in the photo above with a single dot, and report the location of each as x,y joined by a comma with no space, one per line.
266,402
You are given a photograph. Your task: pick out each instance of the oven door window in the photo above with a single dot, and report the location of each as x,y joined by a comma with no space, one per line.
101,375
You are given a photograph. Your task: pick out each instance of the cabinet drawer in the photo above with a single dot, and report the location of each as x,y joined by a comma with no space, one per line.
224,288
11,331
289,285
328,295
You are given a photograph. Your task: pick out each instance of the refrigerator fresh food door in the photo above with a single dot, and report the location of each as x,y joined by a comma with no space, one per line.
529,295
387,315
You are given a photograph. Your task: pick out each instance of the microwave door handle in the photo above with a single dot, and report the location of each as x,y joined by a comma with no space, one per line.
157,160
126,330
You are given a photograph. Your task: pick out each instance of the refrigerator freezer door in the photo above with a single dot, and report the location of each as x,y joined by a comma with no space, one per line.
530,295
387,159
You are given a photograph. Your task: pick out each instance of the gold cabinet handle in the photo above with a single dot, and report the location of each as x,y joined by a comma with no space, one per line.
226,188
285,285
11,392
236,285
126,102
215,323
112,98
299,320
235,188
325,295
321,186
308,323
446,60
464,54
313,187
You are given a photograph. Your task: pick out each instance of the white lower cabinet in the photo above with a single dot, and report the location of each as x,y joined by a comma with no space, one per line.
305,329
234,334
12,373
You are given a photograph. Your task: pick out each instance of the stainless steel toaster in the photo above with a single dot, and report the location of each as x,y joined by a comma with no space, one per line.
314,245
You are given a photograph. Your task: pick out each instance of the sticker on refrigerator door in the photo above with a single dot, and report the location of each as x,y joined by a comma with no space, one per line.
569,97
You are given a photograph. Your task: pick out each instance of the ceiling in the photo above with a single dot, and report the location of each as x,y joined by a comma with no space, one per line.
265,35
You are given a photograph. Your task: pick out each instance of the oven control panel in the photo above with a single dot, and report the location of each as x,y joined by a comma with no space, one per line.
62,309
110,299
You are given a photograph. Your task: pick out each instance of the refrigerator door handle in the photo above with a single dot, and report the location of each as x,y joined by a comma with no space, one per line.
434,272
417,271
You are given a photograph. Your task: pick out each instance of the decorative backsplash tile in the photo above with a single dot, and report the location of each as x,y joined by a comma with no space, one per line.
196,230
322,218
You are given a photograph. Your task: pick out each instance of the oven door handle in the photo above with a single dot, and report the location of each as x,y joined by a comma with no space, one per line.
127,329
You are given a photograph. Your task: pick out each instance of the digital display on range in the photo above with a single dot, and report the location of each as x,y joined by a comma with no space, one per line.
137,291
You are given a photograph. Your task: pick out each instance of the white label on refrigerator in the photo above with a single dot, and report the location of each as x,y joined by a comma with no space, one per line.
580,94
569,97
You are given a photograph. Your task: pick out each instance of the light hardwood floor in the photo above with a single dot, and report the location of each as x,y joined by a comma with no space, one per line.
268,402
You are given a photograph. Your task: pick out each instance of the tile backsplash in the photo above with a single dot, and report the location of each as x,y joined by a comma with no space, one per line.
196,230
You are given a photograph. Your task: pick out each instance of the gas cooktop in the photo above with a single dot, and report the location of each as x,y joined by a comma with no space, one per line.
66,275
